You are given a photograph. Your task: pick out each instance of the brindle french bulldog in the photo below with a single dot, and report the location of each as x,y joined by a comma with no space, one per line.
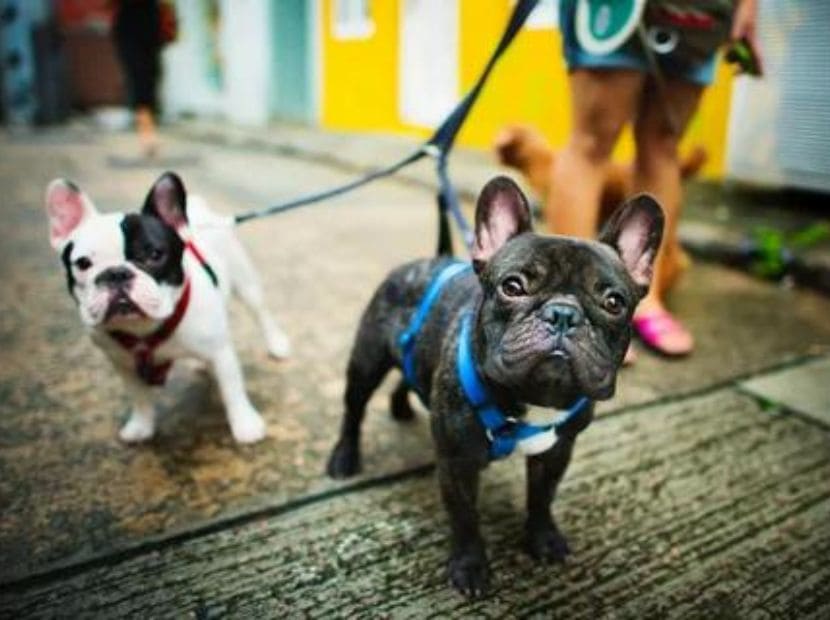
550,320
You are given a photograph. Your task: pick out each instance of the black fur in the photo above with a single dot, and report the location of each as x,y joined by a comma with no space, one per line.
66,258
167,200
154,247
523,350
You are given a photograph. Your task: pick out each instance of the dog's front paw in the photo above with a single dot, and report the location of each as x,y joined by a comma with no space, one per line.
344,460
470,574
248,426
547,544
138,428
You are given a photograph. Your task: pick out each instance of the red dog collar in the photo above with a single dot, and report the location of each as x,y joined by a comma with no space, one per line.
197,254
142,347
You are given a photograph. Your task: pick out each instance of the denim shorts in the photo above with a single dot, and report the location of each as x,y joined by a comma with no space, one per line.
629,56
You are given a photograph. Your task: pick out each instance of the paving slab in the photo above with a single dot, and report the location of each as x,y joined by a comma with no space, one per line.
708,507
805,389
69,490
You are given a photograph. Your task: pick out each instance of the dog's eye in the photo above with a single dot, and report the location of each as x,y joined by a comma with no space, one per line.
83,263
513,287
614,303
156,255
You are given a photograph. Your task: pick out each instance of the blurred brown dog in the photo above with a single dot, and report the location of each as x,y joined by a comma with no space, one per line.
525,149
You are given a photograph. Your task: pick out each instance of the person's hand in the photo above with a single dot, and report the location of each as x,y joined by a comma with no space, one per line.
744,26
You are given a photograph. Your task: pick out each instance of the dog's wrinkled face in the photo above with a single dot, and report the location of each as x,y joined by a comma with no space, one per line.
555,319
120,269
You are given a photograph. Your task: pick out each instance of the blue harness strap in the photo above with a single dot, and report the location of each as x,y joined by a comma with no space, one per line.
505,433
406,340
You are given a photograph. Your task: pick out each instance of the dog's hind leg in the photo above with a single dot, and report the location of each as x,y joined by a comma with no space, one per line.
370,361
399,403
245,282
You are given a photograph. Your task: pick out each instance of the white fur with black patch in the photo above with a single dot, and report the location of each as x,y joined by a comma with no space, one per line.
91,243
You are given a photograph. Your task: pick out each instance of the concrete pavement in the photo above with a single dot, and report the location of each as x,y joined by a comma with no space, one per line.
688,497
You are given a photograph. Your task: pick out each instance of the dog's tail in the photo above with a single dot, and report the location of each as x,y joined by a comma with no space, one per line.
514,143
506,147
526,150
693,162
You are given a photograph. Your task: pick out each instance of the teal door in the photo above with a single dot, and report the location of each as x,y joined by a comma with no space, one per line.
291,93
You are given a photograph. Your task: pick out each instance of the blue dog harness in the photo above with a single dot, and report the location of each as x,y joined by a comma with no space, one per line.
407,339
505,434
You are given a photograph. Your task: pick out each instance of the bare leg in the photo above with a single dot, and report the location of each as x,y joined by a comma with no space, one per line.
145,123
602,102
657,171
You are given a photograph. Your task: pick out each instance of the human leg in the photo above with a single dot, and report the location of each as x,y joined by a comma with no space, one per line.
602,102
657,171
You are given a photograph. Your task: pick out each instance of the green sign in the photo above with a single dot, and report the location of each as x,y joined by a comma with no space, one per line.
602,26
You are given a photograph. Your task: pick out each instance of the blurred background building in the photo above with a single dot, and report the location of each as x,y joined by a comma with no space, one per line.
399,66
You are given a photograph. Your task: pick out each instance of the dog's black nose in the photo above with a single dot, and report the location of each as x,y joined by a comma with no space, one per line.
114,276
563,317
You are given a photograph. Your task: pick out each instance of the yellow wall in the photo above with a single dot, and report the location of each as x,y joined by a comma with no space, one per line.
360,82
527,85
360,76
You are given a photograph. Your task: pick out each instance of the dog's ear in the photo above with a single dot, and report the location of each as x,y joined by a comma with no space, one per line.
634,231
502,213
66,207
167,200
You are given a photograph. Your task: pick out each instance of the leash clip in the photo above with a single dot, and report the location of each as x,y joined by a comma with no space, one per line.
506,429
432,150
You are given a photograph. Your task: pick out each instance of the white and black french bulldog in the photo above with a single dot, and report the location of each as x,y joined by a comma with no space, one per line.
540,320
152,287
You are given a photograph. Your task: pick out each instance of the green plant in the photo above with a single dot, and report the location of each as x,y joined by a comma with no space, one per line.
772,249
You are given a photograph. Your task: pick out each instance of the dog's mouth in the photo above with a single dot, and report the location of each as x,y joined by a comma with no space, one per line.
122,307
559,352
581,367
545,368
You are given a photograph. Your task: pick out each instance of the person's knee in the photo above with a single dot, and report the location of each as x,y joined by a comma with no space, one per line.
657,149
595,140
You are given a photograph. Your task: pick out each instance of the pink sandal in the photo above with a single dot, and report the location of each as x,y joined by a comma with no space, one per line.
654,327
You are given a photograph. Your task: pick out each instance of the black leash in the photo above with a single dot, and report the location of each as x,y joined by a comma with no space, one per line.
444,137
438,146
329,193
